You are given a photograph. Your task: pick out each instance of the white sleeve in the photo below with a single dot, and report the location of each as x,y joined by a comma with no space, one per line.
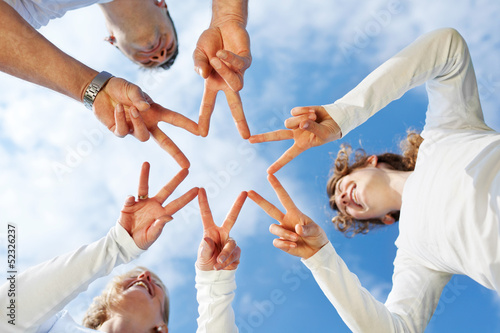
44,289
215,294
440,58
410,304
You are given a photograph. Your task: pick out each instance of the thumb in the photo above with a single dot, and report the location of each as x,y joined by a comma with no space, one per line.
138,98
206,251
307,230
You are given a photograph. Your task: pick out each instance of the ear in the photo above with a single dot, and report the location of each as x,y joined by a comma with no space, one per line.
372,160
388,219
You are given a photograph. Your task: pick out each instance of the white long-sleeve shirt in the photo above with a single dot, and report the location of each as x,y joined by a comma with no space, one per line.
45,289
449,222
215,294
39,12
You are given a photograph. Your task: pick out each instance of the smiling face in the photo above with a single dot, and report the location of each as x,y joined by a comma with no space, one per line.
136,301
141,303
364,194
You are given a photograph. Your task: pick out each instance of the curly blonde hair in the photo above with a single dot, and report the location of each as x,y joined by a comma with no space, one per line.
101,308
344,165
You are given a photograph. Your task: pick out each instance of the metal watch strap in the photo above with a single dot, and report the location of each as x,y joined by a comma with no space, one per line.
94,87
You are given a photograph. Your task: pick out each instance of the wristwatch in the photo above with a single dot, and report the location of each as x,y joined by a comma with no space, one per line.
94,87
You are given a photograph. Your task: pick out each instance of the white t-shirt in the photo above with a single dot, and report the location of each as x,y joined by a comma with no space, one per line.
449,222
39,12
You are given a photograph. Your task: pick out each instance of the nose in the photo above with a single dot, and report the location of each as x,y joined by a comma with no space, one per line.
145,275
160,56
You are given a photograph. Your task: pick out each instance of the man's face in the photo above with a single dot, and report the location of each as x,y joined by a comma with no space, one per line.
152,41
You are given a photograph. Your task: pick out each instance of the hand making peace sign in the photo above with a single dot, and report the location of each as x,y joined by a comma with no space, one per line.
145,218
217,250
299,235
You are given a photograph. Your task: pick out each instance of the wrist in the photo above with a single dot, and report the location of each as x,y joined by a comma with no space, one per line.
224,11
94,87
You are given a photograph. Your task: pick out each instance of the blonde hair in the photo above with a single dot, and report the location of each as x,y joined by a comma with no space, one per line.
344,165
101,308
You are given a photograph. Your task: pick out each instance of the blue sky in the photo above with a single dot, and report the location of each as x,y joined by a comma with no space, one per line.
304,53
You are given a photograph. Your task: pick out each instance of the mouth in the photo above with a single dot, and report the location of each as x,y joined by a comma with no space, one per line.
142,284
353,196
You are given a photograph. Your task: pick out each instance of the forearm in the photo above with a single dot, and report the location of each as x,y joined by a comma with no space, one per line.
440,56
358,308
215,294
45,289
26,54
229,10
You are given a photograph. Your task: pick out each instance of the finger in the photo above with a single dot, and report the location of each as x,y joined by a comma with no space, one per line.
206,214
141,132
236,107
144,181
201,64
167,190
278,135
178,120
303,110
235,211
287,156
283,233
170,147
268,207
130,201
233,258
174,206
138,97
237,62
284,245
283,196
206,109
233,79
226,251
156,227
121,128
294,122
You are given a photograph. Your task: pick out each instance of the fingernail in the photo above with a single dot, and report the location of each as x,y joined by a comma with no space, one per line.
134,112
312,116
216,63
222,259
306,125
198,70
222,54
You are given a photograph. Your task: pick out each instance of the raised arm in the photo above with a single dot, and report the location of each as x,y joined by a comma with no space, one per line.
440,58
415,292
45,289
28,55
218,258
221,57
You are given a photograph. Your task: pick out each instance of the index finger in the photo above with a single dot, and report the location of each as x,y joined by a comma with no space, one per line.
178,120
170,187
206,214
268,207
236,107
283,196
278,135
234,212
169,146
287,156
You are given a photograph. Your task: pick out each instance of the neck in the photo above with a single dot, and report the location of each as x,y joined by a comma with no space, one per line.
397,181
